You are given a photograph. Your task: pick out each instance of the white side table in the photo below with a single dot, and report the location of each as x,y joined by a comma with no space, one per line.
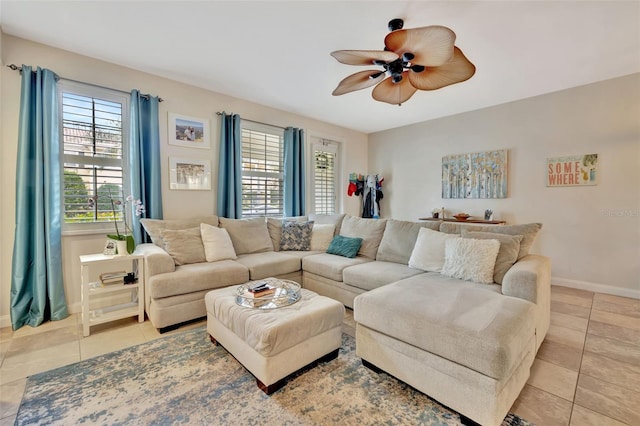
94,288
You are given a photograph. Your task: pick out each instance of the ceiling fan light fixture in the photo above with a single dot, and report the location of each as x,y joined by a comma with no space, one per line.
428,52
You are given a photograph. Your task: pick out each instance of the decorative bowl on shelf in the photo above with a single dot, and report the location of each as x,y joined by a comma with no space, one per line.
461,216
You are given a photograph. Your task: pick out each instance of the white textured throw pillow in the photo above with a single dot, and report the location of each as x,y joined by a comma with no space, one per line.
470,259
217,243
321,236
428,253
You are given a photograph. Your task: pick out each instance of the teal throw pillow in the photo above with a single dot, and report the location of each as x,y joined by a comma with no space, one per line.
344,246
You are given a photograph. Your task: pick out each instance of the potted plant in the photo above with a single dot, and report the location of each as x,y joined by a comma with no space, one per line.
124,240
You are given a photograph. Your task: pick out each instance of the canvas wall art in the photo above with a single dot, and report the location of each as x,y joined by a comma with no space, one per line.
573,170
475,175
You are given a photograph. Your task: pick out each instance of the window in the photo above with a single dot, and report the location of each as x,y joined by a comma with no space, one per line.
323,179
94,125
262,170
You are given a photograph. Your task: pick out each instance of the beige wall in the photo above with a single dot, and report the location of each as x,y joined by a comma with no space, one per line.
178,98
592,234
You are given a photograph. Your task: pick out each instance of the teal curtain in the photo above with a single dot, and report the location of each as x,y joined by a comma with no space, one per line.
144,159
230,167
294,171
37,289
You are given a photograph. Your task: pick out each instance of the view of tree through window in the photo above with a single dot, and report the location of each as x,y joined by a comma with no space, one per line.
92,136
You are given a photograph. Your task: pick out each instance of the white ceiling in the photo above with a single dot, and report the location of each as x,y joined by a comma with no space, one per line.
276,53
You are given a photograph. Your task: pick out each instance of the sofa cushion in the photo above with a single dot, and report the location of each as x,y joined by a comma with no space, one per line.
274,226
328,219
321,236
428,252
470,259
467,323
184,246
529,231
399,238
217,243
248,235
198,277
296,236
154,227
269,264
344,246
329,265
368,276
507,255
370,230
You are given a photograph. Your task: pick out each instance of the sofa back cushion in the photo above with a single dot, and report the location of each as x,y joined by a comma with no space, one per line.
529,231
217,243
274,226
370,230
399,238
248,235
154,227
184,245
428,253
507,255
328,219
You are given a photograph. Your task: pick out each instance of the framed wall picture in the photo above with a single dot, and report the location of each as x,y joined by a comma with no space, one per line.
573,170
475,175
189,173
190,132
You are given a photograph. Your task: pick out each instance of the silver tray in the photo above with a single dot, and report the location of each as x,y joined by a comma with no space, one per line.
287,293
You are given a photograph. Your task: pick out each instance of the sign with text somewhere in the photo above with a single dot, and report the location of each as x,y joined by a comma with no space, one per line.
574,170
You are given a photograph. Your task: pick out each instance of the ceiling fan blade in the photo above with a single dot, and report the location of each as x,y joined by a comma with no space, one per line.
363,57
394,93
431,46
359,80
455,71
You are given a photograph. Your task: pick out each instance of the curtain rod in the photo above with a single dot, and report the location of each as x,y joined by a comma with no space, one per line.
254,121
14,67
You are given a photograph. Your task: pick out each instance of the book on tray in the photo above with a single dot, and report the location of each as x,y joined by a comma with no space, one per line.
260,289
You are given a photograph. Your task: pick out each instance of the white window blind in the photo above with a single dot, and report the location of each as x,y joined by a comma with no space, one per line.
93,126
324,182
262,170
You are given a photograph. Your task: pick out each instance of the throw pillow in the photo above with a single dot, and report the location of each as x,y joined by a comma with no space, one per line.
344,246
328,219
274,226
185,246
428,253
296,236
507,255
154,227
370,230
470,260
248,235
217,243
321,236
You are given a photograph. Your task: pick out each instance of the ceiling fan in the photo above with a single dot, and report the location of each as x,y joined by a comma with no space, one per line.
413,59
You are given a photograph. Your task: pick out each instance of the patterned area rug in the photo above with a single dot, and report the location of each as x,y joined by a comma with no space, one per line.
184,379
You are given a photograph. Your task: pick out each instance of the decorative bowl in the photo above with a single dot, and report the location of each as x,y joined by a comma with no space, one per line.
461,216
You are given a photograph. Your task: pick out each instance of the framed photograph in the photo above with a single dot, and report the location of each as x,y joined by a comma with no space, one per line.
190,132
189,173
109,247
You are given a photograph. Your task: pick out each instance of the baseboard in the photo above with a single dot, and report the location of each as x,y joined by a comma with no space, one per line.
76,308
595,287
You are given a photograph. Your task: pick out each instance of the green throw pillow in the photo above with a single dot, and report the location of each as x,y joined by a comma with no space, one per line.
344,246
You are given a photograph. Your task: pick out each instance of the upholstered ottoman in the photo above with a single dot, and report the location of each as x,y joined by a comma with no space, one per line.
272,344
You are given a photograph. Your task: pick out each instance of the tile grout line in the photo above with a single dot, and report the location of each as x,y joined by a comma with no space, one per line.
584,345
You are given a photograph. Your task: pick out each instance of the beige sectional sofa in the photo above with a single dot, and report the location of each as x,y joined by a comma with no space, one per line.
467,344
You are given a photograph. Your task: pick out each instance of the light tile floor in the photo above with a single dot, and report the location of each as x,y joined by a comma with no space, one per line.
587,371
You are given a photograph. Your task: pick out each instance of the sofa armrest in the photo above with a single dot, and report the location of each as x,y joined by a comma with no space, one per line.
529,279
157,261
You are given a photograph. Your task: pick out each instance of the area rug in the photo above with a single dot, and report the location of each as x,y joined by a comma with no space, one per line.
184,379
